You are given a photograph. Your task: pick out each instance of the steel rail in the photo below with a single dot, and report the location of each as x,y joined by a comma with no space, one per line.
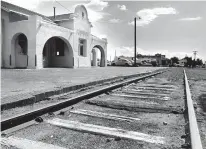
28,116
193,127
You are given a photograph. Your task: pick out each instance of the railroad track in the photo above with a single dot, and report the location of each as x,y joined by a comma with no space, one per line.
141,112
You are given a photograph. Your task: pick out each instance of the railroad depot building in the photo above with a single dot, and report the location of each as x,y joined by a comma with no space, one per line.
31,40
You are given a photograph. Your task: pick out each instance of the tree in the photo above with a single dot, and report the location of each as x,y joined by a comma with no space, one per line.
199,62
189,61
194,63
174,60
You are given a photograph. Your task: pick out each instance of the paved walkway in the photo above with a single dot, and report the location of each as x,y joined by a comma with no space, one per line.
22,81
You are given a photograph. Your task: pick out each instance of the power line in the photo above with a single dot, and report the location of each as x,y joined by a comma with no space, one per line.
95,21
63,6
121,21
106,22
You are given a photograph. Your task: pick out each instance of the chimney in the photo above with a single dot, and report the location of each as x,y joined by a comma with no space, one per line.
54,12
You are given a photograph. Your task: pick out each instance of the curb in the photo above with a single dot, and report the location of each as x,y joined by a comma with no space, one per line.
37,96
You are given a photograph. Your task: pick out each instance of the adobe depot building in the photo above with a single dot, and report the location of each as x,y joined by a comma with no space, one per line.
31,40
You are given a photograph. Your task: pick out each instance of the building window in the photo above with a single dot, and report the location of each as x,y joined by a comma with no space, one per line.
82,45
59,47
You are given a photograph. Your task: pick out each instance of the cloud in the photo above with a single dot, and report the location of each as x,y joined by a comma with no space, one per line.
122,7
94,16
97,33
97,5
114,20
102,36
191,19
149,15
94,8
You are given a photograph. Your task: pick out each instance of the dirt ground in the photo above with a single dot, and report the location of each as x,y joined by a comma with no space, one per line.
19,82
161,124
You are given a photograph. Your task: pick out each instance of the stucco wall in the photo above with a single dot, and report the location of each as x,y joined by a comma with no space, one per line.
38,31
21,61
82,22
102,46
67,24
4,21
12,30
2,41
45,31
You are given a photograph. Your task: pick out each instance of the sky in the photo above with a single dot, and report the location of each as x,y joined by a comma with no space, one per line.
173,28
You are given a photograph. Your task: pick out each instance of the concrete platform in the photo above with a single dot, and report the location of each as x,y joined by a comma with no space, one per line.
22,84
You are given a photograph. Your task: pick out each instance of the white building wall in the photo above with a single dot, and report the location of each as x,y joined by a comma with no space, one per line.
38,31
45,31
12,29
82,61
4,22
102,43
67,24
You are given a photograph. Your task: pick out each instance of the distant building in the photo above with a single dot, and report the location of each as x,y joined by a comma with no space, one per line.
159,58
32,40
182,62
130,58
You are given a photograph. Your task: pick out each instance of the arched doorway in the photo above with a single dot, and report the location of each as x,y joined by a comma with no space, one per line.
97,56
57,52
20,48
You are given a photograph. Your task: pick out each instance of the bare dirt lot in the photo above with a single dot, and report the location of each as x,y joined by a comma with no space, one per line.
15,82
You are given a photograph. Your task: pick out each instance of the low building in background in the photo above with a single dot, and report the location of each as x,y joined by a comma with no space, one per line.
32,40
159,58
182,62
155,60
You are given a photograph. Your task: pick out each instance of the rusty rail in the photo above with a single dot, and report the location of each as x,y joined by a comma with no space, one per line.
194,131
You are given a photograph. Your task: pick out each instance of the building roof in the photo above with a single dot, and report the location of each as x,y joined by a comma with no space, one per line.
17,9
183,59
22,11
61,17
65,17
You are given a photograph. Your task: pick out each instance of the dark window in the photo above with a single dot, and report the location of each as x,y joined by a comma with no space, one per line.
81,50
81,47
59,47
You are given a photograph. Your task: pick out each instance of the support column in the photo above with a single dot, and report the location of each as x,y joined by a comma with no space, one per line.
94,57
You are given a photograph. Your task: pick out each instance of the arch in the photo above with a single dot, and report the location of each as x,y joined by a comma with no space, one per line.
19,50
79,8
57,52
94,56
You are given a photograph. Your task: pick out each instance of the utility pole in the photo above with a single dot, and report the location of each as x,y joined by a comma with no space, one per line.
135,48
54,12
